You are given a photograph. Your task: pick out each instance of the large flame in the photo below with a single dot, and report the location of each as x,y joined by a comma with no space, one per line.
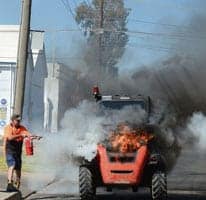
127,140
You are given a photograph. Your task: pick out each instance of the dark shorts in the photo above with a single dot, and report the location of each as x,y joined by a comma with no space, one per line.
13,160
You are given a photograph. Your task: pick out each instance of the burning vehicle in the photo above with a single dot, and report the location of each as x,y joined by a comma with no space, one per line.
129,157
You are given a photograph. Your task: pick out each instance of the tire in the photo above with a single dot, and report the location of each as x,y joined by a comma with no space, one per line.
134,189
87,187
159,186
109,189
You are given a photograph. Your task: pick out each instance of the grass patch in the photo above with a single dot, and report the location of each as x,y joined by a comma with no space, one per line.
3,166
27,163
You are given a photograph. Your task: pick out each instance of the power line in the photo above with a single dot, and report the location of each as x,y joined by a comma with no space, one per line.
177,27
182,36
132,44
172,5
64,4
151,47
157,23
75,3
158,34
147,22
68,7
188,29
137,32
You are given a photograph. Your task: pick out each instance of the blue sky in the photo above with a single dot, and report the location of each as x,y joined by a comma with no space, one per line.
51,15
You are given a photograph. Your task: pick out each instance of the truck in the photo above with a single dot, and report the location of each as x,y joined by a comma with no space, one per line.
129,158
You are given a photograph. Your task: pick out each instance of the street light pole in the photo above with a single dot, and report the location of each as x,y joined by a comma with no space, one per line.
22,56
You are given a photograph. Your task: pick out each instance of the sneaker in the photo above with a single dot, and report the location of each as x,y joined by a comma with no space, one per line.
11,188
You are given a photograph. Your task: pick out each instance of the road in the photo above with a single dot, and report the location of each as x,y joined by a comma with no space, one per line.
186,182
143,196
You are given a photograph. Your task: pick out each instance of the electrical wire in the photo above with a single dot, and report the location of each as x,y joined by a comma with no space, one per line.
75,3
137,32
158,23
68,8
181,35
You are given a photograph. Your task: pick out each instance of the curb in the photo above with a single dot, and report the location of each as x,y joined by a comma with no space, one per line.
10,196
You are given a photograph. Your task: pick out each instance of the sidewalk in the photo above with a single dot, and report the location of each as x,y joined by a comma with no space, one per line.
9,195
3,183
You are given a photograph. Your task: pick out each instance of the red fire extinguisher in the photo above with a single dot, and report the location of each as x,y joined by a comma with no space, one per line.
29,147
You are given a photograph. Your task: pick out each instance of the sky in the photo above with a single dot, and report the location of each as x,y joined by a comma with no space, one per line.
52,15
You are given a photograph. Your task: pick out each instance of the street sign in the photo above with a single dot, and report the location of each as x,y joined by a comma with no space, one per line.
3,101
2,123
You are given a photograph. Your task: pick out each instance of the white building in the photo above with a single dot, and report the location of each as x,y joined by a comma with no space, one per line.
36,72
60,88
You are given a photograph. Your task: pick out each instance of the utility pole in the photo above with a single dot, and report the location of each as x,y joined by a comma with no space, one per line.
101,13
22,56
100,34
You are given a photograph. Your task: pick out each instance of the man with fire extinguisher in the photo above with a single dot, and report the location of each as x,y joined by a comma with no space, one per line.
14,134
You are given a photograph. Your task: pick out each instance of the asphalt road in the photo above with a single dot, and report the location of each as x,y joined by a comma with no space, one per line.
186,182
143,196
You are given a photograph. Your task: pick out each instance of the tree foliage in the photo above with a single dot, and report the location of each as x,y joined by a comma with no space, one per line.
106,45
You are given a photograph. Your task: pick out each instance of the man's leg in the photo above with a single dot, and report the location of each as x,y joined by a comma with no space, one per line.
18,178
10,159
18,171
10,174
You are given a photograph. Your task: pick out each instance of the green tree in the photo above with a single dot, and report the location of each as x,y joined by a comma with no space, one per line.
104,23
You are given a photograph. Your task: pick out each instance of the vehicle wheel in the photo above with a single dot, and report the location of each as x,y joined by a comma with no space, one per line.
87,187
159,186
109,189
134,189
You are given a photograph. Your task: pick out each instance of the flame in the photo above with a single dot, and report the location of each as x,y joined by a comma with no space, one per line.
126,140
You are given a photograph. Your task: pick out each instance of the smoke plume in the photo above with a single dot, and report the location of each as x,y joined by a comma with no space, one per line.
196,127
83,128
177,87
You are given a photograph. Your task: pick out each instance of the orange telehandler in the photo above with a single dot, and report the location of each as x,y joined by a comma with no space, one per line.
129,158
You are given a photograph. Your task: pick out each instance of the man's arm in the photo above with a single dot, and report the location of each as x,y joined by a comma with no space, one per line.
25,132
13,137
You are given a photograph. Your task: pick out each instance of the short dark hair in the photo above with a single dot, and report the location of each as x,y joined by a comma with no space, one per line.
15,117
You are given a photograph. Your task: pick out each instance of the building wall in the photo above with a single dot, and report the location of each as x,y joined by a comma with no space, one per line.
6,92
36,72
9,36
37,87
58,93
36,109
51,104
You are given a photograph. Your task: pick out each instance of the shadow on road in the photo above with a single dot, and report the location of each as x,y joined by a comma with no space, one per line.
121,197
147,197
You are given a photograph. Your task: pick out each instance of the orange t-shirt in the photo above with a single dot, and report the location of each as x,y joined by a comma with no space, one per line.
11,130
